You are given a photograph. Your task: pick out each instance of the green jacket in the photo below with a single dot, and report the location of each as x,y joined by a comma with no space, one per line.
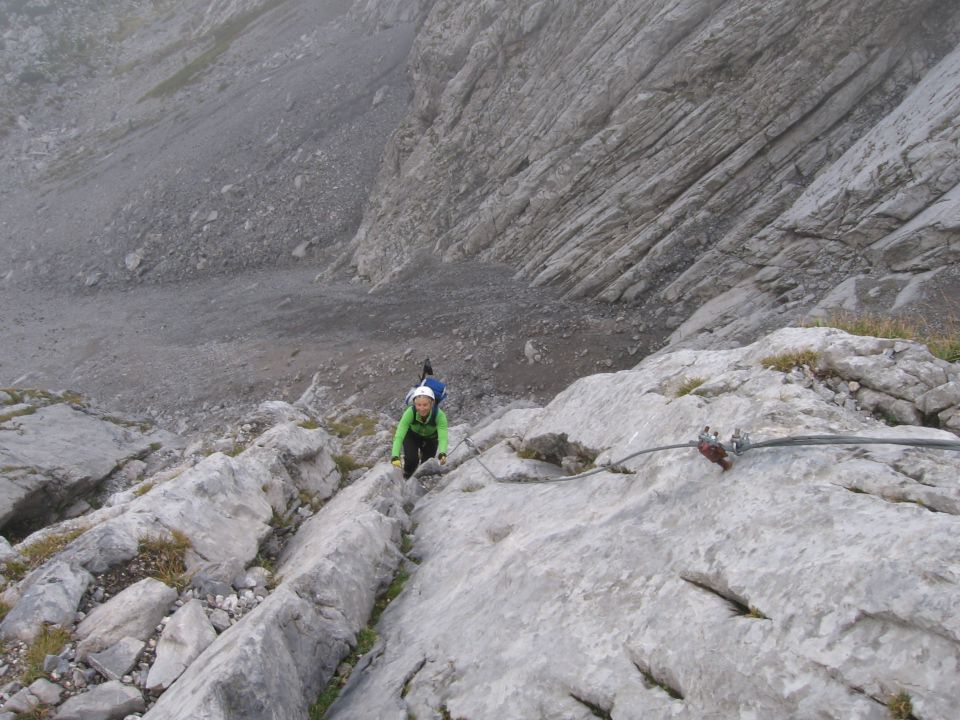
411,421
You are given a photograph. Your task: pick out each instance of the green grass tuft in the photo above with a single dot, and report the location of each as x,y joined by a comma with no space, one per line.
164,557
49,641
901,707
787,361
17,413
688,385
359,423
143,489
39,551
345,465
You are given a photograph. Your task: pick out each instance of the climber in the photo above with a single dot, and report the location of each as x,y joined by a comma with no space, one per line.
422,431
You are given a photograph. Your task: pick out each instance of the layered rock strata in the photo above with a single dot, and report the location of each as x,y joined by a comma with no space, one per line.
719,163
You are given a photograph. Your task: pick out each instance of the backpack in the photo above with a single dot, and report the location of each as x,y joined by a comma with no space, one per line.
439,388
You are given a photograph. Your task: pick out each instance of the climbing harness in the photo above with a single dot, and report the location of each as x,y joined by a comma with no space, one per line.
710,446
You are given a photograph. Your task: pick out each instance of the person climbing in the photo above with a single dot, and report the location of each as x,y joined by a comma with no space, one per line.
421,432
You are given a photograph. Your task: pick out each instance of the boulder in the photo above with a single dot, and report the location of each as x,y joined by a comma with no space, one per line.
57,454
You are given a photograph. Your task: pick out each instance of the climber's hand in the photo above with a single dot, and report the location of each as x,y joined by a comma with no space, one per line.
395,461
442,458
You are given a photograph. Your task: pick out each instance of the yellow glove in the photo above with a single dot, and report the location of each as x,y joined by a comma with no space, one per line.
395,461
442,458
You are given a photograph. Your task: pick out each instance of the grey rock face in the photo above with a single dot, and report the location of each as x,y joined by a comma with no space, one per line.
110,701
313,451
117,660
725,165
134,613
56,453
51,597
188,633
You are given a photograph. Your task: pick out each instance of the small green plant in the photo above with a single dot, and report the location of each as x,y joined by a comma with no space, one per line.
278,520
345,465
653,681
389,595
756,614
528,454
887,417
4,417
74,398
263,561
141,425
366,639
163,557
901,707
688,385
4,609
49,641
406,543
15,569
325,699
445,714
787,361
310,500
309,424
143,489
359,423
235,450
41,550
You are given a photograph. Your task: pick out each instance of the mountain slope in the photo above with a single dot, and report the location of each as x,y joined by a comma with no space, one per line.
746,157
189,139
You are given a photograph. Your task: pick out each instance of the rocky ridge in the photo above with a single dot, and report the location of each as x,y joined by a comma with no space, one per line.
725,167
657,586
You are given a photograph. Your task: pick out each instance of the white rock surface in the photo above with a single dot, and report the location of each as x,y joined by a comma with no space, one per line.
332,571
592,596
110,701
188,633
134,612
